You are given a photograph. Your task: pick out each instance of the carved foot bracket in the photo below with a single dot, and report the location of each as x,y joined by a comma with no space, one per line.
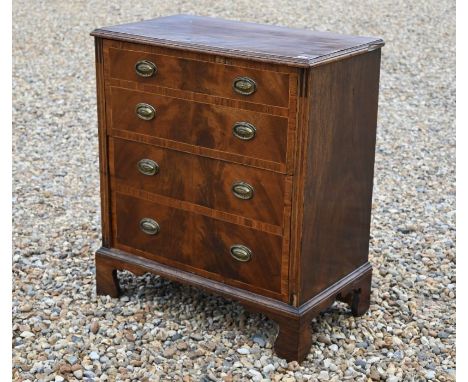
107,282
358,296
294,338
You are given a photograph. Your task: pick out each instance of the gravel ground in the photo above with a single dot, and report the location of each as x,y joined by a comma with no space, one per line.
164,331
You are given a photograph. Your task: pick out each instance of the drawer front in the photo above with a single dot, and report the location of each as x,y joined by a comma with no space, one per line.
208,182
236,131
271,88
201,243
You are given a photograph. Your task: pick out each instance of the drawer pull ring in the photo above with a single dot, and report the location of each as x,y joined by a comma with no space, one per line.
149,226
145,68
148,167
244,85
241,253
244,130
242,190
145,111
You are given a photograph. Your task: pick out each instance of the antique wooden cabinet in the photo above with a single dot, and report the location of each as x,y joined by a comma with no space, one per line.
239,158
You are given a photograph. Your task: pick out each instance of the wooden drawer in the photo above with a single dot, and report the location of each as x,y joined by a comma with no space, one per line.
272,88
198,243
200,180
199,124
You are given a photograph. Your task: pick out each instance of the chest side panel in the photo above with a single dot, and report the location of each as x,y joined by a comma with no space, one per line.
339,165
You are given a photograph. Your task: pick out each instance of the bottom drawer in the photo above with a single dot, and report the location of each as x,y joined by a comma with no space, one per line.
216,249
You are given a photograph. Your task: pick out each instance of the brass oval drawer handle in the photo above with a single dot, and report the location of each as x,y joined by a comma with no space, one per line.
148,167
242,190
145,68
149,226
244,85
241,253
145,111
244,130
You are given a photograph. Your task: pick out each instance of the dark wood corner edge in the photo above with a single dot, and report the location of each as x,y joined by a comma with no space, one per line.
337,291
347,53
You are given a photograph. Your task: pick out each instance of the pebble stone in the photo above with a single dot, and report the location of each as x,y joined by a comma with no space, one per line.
94,355
78,374
430,374
58,321
256,375
94,327
267,369
72,360
259,340
243,351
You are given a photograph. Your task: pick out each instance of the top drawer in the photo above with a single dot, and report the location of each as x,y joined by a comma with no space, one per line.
245,84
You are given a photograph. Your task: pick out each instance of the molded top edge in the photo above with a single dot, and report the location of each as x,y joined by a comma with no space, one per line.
276,44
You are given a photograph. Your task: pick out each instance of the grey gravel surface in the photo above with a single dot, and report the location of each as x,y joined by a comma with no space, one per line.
164,331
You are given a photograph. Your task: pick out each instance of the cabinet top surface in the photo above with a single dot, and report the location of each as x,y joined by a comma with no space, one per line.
296,47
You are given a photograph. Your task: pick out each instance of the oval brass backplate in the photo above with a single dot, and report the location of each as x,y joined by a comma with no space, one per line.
145,111
148,167
244,130
149,226
145,68
241,253
242,190
244,85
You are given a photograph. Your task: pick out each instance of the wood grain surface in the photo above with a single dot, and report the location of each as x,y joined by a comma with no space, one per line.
200,77
199,242
339,162
197,123
200,180
103,145
299,47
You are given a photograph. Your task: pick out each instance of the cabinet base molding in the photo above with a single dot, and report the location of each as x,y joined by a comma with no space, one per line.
294,337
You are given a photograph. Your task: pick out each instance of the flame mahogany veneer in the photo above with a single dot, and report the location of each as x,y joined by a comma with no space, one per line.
239,158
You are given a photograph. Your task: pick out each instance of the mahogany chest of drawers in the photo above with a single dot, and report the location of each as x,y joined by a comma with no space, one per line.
239,158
